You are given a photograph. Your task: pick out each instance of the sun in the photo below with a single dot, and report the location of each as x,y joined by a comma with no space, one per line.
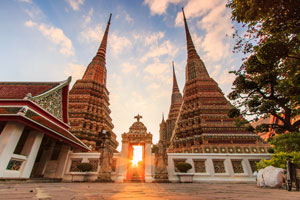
137,155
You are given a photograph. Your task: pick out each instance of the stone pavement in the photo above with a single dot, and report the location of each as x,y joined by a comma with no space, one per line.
144,191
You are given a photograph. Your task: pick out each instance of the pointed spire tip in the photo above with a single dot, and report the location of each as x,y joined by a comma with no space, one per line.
109,18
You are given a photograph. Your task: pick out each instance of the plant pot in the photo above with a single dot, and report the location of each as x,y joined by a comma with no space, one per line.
185,177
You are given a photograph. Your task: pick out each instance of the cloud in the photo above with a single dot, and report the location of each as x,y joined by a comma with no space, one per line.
55,35
128,18
25,1
217,25
153,86
74,70
148,39
196,8
159,6
156,68
75,4
116,42
226,78
30,24
165,48
127,67
87,18
119,43
92,34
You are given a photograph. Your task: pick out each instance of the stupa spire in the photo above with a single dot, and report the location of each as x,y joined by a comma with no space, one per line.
96,70
163,118
191,51
101,54
195,67
175,85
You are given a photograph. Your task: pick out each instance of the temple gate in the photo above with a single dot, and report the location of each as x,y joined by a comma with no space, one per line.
135,161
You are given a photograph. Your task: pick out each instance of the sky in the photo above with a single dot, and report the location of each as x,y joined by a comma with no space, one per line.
49,40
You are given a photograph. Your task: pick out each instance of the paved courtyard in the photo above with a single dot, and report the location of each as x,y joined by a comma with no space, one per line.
142,191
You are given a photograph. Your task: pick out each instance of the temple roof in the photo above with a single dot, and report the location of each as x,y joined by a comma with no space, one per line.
138,127
42,106
19,90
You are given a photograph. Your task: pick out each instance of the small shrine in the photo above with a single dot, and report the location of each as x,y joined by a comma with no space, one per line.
135,162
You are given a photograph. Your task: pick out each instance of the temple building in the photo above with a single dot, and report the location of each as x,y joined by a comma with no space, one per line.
89,101
166,127
203,124
34,136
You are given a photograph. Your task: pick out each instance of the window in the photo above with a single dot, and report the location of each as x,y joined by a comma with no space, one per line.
253,165
237,166
74,164
199,166
219,166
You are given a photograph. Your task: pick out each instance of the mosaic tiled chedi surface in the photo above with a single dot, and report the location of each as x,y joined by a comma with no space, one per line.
89,111
203,125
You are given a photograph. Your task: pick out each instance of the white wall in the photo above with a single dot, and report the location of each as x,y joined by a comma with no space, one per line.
210,174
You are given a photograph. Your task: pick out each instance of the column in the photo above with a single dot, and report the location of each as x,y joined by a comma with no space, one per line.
9,139
122,163
47,152
148,172
62,161
30,149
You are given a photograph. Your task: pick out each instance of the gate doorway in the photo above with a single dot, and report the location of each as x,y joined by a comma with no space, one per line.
136,163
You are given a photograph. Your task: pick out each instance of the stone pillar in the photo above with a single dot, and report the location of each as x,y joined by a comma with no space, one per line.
30,150
148,164
47,152
9,139
62,161
122,163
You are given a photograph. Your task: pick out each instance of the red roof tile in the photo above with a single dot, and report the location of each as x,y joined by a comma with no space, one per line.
18,90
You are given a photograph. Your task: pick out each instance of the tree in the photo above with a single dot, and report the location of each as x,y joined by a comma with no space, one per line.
268,81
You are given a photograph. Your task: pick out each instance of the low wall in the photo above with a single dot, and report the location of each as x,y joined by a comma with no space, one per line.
73,174
216,167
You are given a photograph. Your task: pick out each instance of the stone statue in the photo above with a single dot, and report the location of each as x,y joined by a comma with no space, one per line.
161,172
106,163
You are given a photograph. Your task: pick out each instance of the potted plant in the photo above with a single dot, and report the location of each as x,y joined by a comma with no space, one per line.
183,176
85,167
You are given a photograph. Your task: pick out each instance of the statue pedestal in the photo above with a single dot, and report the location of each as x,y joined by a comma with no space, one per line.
104,177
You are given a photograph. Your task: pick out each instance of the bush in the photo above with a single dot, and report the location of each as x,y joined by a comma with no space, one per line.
288,142
280,159
271,150
183,167
85,167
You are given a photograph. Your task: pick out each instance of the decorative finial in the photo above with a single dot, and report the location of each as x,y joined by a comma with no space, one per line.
138,117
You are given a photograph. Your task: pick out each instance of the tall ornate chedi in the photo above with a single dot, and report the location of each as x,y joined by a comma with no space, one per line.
89,102
176,100
166,127
203,124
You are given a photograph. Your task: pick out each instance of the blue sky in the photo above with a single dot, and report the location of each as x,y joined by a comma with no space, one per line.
49,40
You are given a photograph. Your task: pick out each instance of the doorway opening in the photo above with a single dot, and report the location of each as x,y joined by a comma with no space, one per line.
136,164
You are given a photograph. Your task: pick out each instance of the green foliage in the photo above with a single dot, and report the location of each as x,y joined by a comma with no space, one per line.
233,113
183,167
85,167
280,159
268,81
271,150
288,142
